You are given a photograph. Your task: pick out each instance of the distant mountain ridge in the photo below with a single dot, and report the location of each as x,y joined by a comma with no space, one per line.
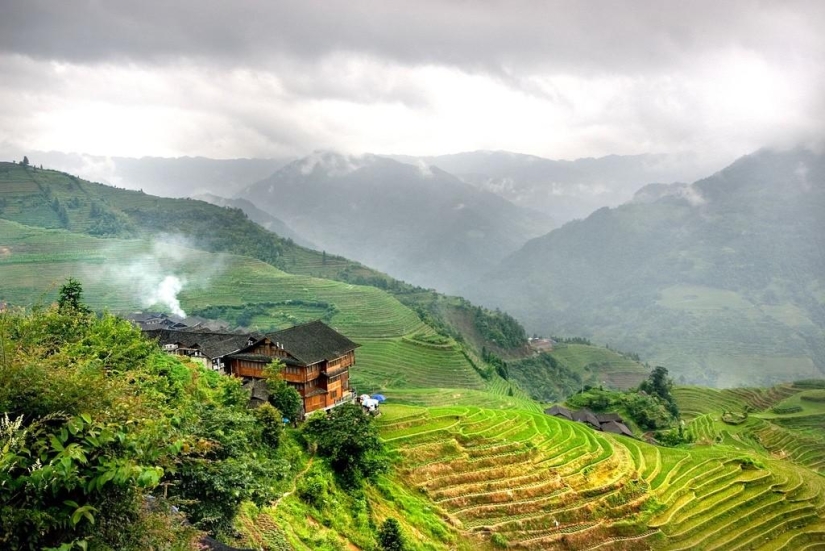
264,219
416,223
722,281
162,176
563,189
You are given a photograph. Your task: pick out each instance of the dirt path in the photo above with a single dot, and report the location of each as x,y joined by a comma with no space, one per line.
294,483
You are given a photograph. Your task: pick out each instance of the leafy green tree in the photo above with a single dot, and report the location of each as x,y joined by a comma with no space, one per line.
70,297
660,384
347,437
99,417
390,537
286,399
272,427
25,161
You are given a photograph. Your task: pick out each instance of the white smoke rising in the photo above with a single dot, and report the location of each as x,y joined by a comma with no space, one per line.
167,294
155,278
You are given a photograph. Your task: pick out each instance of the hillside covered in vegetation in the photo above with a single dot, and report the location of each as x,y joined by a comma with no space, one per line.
720,280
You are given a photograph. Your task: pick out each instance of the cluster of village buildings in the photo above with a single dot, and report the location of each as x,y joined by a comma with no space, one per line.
607,422
316,362
316,358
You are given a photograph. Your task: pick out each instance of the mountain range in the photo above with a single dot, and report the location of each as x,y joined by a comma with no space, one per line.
720,280
563,189
417,223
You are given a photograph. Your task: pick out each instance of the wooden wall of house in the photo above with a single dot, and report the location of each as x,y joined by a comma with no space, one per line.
246,368
347,360
314,402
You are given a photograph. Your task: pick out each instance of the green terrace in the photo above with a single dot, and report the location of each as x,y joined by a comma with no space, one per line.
540,482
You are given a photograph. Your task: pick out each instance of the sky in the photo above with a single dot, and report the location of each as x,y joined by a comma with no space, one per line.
268,78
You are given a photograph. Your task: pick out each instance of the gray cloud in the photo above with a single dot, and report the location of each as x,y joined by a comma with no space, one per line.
552,78
627,36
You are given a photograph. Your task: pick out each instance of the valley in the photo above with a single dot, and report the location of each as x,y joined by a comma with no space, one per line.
476,464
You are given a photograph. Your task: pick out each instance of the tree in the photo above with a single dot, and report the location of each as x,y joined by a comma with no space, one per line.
25,161
347,437
286,399
659,384
390,537
70,297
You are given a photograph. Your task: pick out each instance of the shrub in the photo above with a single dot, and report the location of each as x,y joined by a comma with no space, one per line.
390,537
347,437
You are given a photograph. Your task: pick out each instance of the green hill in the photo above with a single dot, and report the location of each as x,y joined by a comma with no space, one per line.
720,281
395,351
126,221
476,463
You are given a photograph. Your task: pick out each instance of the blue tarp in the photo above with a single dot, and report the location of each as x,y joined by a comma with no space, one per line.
379,397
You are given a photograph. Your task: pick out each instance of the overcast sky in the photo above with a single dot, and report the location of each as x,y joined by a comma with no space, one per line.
562,80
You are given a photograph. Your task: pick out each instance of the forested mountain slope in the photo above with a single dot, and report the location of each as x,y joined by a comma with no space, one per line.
565,190
417,223
721,280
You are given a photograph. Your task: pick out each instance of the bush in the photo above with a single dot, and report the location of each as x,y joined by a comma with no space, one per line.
270,421
348,439
313,489
390,537
97,418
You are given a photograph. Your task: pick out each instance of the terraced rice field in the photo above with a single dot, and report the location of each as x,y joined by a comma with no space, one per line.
763,398
601,365
538,482
439,397
114,273
403,363
695,401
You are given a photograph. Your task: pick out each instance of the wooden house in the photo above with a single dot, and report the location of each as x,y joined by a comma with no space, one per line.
316,358
316,362
208,348
559,411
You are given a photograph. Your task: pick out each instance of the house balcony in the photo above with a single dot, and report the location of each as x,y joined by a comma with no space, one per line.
347,397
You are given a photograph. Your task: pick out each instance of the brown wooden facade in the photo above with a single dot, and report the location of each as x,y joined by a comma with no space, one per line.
322,384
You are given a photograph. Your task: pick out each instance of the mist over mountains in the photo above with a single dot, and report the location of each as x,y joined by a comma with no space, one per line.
165,177
417,223
720,280
262,218
565,190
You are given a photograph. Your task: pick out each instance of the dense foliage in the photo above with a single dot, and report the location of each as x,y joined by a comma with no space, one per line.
545,378
103,433
347,437
390,537
645,411
659,384
499,327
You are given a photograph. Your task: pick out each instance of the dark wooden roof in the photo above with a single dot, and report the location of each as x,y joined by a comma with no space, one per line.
616,428
257,389
313,342
587,416
605,417
211,344
559,411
